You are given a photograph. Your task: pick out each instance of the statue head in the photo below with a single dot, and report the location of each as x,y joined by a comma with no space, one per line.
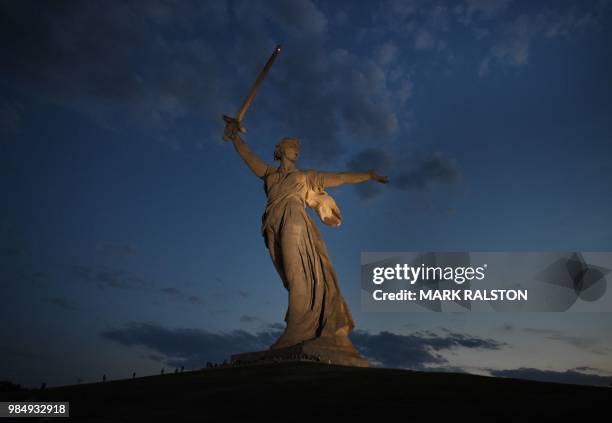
288,147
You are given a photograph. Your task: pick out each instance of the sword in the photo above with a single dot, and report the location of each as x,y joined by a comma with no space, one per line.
251,95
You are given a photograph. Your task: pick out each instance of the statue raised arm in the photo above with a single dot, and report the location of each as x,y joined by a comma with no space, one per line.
254,163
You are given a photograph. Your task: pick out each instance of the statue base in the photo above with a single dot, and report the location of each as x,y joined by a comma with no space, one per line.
323,350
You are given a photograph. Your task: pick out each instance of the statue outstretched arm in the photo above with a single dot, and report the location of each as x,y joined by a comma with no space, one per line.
333,179
254,163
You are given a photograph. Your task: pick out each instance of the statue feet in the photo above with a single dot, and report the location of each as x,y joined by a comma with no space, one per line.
338,339
285,341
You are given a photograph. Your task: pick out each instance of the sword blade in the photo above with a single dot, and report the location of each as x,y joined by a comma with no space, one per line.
249,99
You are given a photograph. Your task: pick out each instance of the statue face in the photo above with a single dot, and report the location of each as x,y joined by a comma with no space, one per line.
291,151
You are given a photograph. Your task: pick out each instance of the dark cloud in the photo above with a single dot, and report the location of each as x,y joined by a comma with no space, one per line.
432,26
415,351
119,279
423,24
276,326
107,278
194,299
568,376
586,369
514,37
407,170
299,18
117,64
370,158
175,292
586,343
64,303
248,319
473,11
228,294
126,64
434,169
116,249
191,348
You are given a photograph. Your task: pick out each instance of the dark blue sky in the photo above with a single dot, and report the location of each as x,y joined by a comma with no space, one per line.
129,231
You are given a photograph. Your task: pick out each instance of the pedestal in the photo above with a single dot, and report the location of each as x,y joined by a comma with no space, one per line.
320,349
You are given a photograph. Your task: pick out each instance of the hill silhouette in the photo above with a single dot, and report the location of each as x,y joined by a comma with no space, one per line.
301,391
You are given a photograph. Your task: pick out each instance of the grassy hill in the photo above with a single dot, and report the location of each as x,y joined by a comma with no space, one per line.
301,391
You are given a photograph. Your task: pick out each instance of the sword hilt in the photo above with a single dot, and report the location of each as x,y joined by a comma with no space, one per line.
231,120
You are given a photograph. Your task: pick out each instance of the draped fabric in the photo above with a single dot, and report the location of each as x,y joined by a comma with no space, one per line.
316,307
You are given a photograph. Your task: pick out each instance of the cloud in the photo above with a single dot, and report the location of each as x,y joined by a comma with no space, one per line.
194,347
429,24
514,37
433,169
116,249
472,10
419,350
248,319
588,369
338,92
108,278
191,348
177,293
424,40
126,66
370,158
300,18
407,170
64,303
592,345
568,376
119,279
194,299
387,53
425,22
118,65
276,326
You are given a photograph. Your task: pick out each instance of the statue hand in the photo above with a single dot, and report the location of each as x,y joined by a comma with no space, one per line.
231,131
375,177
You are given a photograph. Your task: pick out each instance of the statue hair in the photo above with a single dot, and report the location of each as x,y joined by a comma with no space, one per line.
278,149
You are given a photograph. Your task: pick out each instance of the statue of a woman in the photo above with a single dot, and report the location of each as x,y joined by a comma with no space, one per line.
317,312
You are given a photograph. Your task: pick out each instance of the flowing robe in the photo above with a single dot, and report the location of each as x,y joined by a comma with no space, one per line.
316,306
